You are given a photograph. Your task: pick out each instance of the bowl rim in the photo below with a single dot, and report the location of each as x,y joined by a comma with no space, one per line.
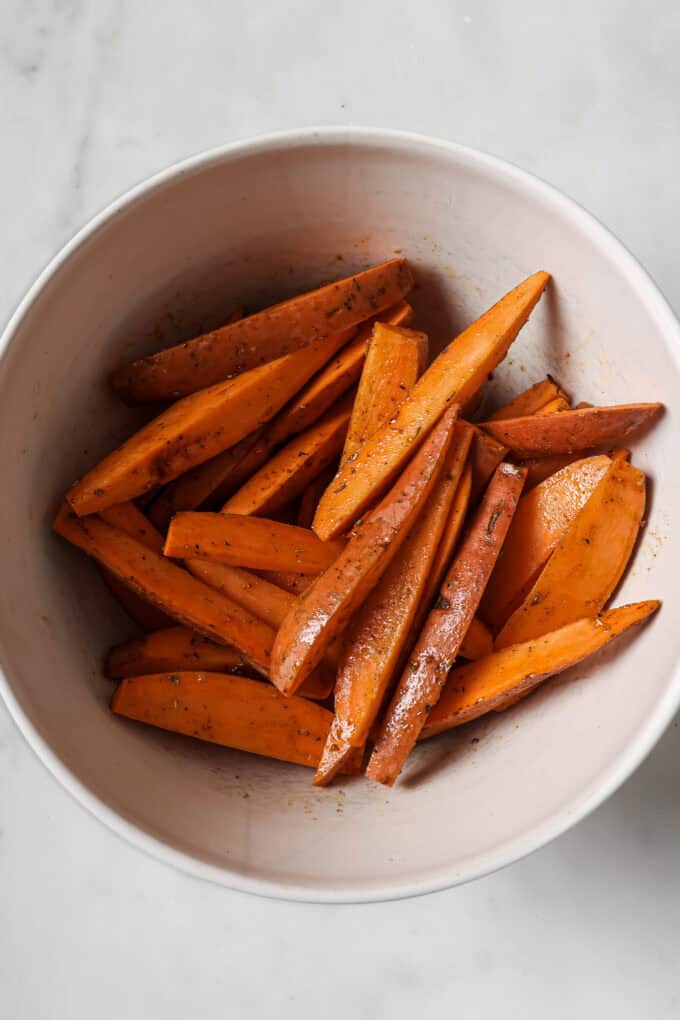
564,816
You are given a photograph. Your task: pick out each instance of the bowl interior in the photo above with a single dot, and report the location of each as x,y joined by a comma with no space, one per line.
254,224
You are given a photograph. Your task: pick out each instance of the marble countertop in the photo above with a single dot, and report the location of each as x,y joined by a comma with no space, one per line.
96,97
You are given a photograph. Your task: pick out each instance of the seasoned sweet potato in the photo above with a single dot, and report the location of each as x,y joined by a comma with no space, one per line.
260,597
542,518
373,643
167,586
324,611
571,431
485,456
587,562
491,683
286,476
263,337
195,429
453,377
312,494
253,542
171,649
439,643
394,360
192,489
230,710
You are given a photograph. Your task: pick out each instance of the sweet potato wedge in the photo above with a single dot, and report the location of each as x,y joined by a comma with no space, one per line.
572,431
439,643
323,612
263,337
454,376
171,649
374,640
167,586
508,675
542,518
540,468
192,489
260,597
289,580
195,429
288,473
218,478
234,711
129,518
530,401
395,358
253,542
588,561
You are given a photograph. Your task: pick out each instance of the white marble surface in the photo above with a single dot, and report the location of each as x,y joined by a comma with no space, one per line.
95,96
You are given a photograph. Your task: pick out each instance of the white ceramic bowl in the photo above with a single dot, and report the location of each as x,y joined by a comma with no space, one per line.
251,223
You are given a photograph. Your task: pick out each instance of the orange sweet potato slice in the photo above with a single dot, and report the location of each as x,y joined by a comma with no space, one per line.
571,431
439,643
530,401
253,542
454,376
490,684
588,561
263,337
324,611
542,518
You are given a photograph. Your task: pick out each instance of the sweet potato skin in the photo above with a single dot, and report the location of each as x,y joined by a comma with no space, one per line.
378,632
324,611
508,675
454,376
251,542
263,337
439,643
587,562
572,431
393,363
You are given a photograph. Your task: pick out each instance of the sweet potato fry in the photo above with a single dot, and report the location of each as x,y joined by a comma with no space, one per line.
491,683
167,586
373,643
588,561
477,642
312,494
288,473
529,401
260,597
571,431
485,456
234,711
322,614
253,542
394,360
439,643
195,429
543,516
173,648
130,519
454,376
192,489
218,478
263,337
